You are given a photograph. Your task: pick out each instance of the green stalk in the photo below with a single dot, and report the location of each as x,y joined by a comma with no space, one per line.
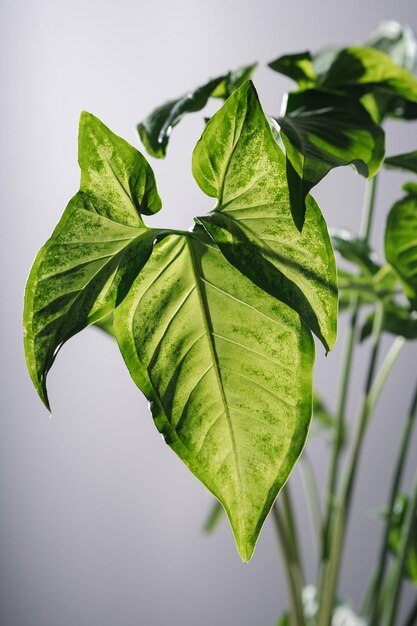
382,561
292,570
411,619
338,527
292,528
313,499
354,306
394,588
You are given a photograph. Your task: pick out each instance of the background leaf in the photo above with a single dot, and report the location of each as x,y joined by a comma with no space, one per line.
407,161
156,129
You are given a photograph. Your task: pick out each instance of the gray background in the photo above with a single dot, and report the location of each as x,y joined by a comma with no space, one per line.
100,522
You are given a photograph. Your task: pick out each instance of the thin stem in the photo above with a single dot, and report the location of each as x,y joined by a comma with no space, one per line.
394,589
313,499
411,619
292,527
383,556
354,306
338,527
293,581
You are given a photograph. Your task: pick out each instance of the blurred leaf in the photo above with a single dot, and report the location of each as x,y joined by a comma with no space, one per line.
397,320
297,66
355,250
407,161
284,620
401,241
396,40
395,536
214,516
321,131
155,130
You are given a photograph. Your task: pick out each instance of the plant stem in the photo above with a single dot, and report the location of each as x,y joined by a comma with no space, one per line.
292,570
338,527
313,499
292,527
382,562
411,619
354,306
394,589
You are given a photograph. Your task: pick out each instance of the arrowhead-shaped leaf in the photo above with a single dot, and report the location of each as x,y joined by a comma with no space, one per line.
156,129
401,242
87,266
320,131
238,162
227,369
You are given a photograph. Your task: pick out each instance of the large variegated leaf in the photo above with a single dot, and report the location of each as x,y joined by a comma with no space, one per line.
401,241
155,130
227,369
238,162
87,265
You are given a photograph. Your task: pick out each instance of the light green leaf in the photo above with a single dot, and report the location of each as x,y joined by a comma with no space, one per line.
227,371
365,69
407,161
85,268
106,324
401,242
238,162
156,129
321,131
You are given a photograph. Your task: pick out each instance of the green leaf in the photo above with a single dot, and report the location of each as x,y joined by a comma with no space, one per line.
354,250
227,371
156,129
321,131
238,162
397,41
401,241
398,320
395,536
213,518
407,161
85,268
284,620
364,69
106,324
297,66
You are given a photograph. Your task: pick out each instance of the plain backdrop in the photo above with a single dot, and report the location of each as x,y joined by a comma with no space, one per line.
101,524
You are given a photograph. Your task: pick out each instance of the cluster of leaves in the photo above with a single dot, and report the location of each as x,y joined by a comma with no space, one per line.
215,325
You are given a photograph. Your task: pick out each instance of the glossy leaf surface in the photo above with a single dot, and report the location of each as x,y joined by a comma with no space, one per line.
238,162
87,265
401,241
156,129
227,371
321,131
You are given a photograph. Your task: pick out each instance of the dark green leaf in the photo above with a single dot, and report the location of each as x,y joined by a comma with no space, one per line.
321,131
156,129
86,267
355,250
238,162
213,518
401,241
398,320
407,161
297,66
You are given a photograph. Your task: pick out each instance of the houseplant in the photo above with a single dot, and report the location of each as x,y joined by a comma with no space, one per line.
216,324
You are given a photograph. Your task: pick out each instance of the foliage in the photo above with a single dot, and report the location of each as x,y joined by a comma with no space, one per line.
216,324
